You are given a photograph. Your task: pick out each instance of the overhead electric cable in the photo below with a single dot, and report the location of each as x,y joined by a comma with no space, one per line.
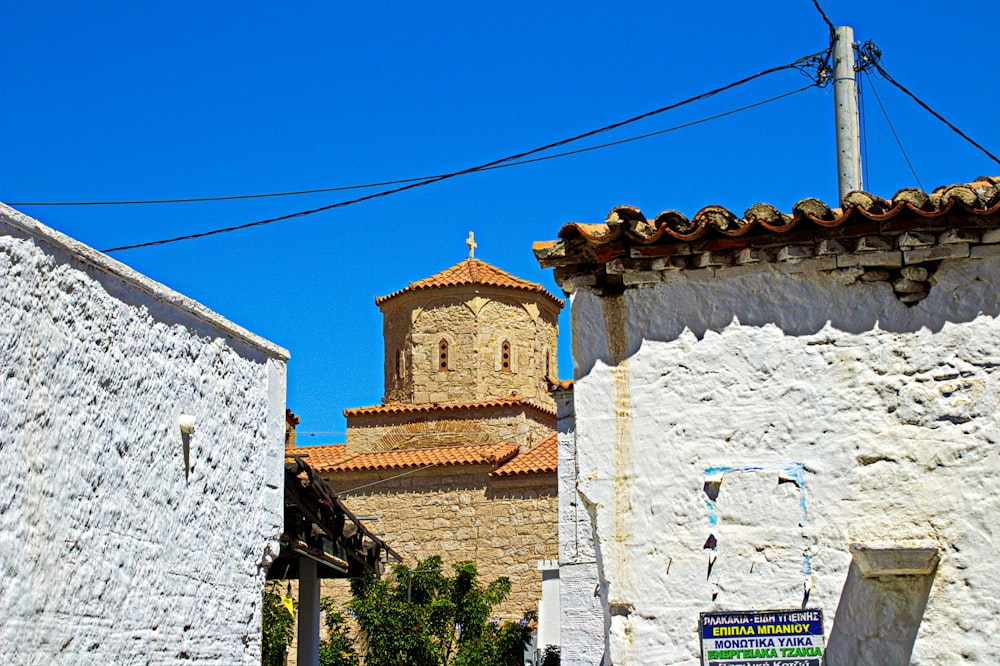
391,478
893,129
231,197
798,64
872,55
864,127
419,178
826,19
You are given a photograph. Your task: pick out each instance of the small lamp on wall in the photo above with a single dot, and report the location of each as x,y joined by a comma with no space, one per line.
187,423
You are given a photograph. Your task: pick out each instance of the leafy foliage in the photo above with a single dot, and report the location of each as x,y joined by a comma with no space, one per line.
426,617
277,626
551,656
337,649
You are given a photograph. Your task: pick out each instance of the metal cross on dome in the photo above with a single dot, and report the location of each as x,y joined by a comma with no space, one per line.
471,242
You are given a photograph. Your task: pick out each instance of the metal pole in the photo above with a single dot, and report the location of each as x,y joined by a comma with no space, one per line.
308,652
845,96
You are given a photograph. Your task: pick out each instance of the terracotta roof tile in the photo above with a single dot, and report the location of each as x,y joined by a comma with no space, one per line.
318,456
559,384
472,272
334,458
427,408
543,457
628,234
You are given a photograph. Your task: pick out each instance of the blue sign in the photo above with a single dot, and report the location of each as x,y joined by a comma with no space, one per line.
762,638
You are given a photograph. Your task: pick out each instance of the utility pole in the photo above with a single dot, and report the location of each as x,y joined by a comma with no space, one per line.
845,96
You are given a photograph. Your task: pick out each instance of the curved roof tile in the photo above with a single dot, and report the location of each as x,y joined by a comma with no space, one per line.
472,272
543,457
426,408
334,458
979,198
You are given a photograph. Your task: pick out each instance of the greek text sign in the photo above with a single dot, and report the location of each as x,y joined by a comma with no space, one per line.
762,638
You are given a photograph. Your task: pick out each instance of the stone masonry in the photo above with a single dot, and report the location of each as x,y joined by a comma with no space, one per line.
503,525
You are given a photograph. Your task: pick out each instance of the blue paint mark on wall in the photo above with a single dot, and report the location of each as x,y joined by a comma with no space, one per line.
793,472
807,567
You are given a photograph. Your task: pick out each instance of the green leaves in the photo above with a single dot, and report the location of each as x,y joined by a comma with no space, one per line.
426,617
277,625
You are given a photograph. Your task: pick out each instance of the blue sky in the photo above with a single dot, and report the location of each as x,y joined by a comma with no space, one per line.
128,100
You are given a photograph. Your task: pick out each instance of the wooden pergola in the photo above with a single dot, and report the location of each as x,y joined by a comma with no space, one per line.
321,539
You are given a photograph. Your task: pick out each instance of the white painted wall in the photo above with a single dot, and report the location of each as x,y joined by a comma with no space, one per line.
833,415
581,614
548,605
109,552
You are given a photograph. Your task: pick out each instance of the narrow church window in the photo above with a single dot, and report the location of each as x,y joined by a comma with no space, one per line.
548,372
399,364
443,355
505,356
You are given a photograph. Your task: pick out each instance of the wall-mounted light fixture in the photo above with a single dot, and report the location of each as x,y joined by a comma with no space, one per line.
187,423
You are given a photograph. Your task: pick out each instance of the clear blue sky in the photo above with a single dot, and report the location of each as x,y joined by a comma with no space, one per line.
138,100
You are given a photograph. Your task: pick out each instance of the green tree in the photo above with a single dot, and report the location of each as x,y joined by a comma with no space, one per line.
277,626
428,617
337,649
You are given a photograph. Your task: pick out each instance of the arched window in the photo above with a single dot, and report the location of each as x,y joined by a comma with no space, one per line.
505,356
443,355
399,364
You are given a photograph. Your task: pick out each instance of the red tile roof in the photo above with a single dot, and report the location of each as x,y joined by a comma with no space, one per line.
472,272
541,458
627,233
559,384
334,458
318,457
427,408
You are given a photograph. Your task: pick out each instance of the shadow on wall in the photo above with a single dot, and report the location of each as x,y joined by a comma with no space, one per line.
799,305
877,619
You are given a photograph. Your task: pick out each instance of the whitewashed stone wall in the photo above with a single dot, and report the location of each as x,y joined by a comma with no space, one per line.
582,623
122,541
789,416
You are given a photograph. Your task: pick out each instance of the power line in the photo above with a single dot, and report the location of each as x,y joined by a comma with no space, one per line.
231,197
871,54
236,197
864,129
826,19
391,478
799,64
419,178
893,129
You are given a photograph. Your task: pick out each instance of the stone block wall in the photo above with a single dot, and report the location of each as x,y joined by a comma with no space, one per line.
388,432
122,540
475,323
460,513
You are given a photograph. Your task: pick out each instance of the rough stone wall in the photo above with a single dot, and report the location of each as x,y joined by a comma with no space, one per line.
460,513
122,541
398,357
475,323
388,432
789,416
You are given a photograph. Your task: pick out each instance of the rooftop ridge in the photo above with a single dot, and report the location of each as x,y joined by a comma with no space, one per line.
472,272
407,408
334,458
898,240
